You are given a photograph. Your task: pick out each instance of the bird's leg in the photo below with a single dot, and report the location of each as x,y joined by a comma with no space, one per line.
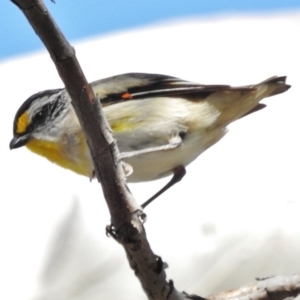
179,173
174,142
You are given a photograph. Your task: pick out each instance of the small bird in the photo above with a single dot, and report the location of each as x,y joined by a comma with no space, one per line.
161,123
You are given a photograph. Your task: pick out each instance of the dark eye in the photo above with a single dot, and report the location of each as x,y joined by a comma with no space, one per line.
40,116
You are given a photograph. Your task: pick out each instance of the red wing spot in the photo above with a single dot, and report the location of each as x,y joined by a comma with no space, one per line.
126,96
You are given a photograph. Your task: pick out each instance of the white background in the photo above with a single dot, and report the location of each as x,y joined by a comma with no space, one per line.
234,217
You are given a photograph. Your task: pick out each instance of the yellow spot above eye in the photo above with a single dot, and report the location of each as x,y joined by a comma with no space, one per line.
22,123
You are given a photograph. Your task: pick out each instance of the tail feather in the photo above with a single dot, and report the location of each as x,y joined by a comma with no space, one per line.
236,103
258,107
279,85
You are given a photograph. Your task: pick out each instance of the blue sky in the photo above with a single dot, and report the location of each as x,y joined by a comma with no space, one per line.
79,19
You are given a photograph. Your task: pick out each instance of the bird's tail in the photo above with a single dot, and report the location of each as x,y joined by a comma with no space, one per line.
240,101
278,83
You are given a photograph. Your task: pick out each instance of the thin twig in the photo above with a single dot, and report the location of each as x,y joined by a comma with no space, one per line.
126,215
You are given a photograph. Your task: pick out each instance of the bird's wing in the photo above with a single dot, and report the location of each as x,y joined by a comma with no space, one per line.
137,86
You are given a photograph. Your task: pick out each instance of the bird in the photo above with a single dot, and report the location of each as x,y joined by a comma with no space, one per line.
161,123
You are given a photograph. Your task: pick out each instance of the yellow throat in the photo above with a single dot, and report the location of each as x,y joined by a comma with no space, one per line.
55,153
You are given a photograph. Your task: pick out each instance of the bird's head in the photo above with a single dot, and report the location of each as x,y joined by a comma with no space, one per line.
40,118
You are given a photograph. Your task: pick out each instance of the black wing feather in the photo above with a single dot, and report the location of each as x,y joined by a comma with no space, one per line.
154,85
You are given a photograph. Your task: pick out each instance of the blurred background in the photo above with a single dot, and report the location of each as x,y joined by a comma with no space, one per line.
234,217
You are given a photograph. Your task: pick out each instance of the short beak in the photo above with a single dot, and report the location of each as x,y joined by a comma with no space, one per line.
19,141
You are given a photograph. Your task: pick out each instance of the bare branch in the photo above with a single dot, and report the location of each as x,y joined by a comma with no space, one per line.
127,227
272,288
101,143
